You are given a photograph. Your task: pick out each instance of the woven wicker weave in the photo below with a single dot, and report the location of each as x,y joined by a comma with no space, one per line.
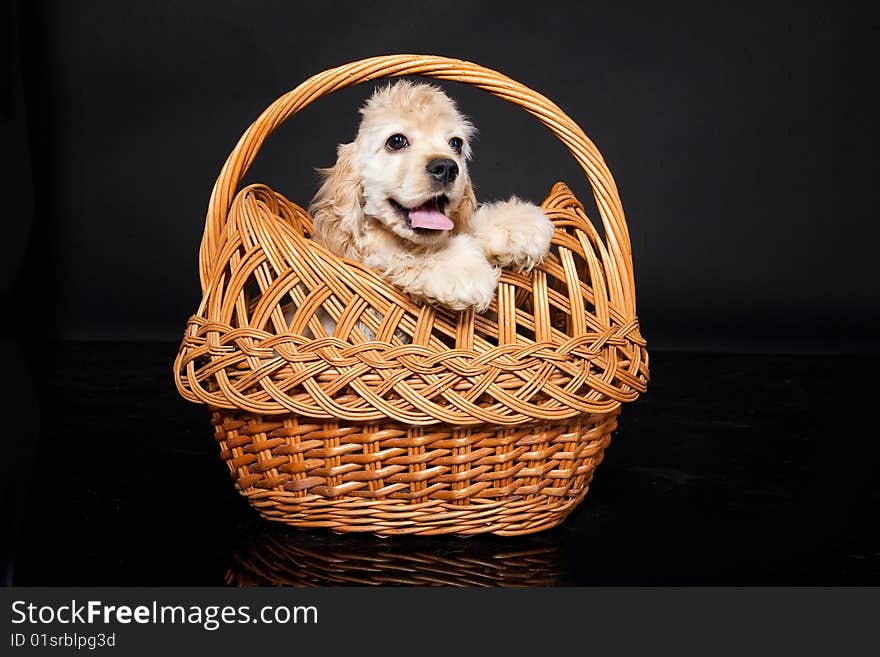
476,423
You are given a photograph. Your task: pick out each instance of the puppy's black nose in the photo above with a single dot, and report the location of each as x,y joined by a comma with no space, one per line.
442,169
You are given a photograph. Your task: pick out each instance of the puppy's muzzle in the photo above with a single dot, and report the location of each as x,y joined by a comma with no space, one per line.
442,169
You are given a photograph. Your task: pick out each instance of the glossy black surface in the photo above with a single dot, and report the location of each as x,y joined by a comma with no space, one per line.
733,469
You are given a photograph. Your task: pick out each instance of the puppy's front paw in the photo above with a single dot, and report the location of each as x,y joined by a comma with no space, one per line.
513,233
460,277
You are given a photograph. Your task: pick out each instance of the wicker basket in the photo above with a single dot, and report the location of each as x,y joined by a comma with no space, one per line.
476,423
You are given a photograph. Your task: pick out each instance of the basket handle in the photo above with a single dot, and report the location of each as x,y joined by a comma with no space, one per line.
441,68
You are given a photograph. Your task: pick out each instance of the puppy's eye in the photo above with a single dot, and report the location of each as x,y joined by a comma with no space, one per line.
456,143
396,142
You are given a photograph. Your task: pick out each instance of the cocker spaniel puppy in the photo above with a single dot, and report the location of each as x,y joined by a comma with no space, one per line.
400,201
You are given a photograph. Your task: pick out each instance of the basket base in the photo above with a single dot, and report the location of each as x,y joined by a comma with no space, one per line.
508,517
392,480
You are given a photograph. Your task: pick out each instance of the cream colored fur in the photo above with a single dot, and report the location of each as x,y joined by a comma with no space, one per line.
355,218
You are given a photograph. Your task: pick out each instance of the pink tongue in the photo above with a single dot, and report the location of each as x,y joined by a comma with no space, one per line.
428,216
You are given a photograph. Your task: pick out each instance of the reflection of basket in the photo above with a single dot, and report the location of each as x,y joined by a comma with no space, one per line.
286,557
474,423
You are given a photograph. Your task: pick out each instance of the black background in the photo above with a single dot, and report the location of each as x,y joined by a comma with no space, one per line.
741,139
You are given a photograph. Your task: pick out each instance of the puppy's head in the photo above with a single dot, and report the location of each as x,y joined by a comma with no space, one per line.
409,161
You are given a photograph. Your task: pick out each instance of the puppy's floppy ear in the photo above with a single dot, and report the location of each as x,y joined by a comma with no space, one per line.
337,207
461,215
